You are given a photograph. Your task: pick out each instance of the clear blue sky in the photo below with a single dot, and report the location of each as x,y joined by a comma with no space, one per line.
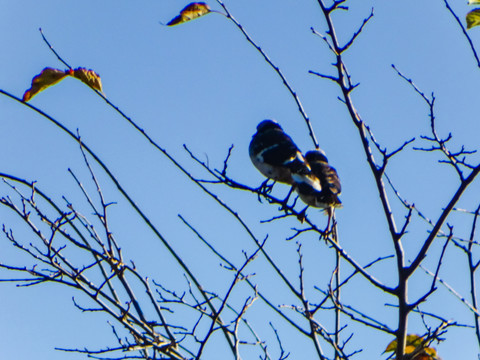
203,85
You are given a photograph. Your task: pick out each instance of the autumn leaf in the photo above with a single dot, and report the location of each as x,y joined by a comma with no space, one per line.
415,343
412,340
89,77
190,12
473,2
473,18
46,78
49,77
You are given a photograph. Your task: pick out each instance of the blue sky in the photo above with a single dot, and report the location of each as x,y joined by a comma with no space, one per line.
203,85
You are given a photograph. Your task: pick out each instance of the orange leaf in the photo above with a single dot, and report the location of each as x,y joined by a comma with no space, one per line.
89,77
190,12
46,78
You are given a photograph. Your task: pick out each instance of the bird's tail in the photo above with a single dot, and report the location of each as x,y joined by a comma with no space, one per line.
306,181
327,197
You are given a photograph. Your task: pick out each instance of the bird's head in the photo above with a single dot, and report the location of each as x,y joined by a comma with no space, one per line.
316,156
268,125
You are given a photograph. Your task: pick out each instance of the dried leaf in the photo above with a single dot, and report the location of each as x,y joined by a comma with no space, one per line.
89,77
473,18
46,78
190,12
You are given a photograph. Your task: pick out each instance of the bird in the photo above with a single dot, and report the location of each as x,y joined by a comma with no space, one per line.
277,157
330,188
275,154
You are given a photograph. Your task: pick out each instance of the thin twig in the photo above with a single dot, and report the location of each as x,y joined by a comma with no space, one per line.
277,70
459,22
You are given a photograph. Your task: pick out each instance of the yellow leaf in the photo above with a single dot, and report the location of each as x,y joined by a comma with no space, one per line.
409,349
426,354
392,346
415,343
431,351
473,18
46,78
414,340
190,12
89,77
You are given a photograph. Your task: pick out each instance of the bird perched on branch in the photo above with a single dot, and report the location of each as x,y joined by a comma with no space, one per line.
326,195
330,187
275,154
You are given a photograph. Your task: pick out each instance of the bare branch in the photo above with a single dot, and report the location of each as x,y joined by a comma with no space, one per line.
53,50
277,70
350,42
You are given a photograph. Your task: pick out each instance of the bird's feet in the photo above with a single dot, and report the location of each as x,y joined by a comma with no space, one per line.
284,202
330,222
264,189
